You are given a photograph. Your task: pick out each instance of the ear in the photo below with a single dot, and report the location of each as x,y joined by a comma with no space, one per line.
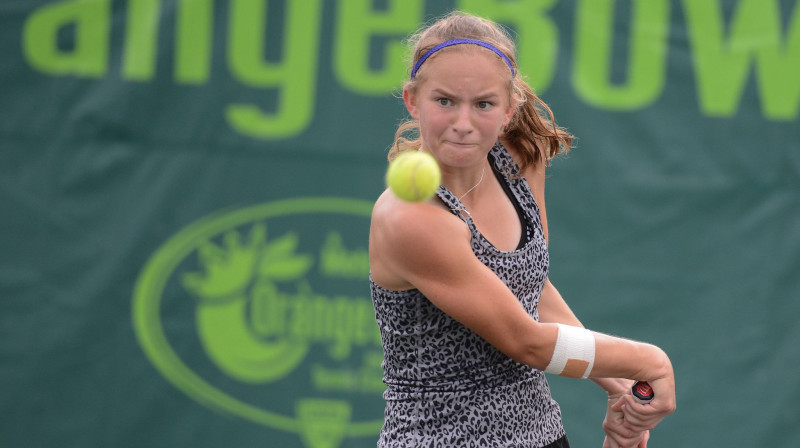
410,99
512,109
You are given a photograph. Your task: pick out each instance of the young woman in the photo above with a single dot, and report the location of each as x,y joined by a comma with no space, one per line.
468,318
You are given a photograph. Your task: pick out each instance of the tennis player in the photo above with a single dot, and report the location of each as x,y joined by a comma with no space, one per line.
469,321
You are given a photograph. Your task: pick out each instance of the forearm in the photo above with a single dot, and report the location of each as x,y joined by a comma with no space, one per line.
578,352
622,358
614,387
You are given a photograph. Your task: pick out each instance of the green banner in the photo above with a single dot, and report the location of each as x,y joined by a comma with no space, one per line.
185,191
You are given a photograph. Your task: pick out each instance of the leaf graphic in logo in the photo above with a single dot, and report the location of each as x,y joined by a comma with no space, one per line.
228,270
279,263
323,423
222,320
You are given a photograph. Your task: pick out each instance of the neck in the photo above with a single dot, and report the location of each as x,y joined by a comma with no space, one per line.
470,184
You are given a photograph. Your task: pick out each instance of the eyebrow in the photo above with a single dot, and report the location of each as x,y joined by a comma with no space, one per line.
483,97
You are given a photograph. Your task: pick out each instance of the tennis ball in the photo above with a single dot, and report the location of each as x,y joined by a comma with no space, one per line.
414,176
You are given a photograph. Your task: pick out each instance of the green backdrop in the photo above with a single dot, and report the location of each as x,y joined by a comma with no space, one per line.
185,188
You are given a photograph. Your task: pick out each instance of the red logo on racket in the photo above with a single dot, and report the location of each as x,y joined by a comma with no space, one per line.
644,389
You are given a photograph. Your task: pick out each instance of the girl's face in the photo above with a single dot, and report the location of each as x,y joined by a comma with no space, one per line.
462,102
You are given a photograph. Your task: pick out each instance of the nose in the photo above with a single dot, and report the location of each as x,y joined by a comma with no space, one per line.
462,121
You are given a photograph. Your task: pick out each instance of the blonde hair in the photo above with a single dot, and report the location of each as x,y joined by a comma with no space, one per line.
532,129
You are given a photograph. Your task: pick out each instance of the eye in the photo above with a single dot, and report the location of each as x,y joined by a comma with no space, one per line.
484,105
444,101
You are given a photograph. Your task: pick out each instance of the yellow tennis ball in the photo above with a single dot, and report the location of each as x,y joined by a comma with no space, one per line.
414,176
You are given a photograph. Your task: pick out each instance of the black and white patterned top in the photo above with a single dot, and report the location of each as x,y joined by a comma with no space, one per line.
448,387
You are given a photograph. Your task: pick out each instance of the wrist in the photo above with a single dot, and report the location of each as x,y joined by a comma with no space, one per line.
659,367
614,387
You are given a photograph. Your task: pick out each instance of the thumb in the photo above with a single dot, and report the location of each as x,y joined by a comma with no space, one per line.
617,407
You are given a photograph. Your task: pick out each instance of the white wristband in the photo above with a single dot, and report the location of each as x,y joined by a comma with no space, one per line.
574,352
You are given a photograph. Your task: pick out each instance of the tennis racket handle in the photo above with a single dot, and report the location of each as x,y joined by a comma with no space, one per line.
642,392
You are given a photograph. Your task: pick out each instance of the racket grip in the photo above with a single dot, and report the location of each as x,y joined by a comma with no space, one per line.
642,392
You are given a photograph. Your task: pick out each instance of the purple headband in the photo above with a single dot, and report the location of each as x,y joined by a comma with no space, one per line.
456,42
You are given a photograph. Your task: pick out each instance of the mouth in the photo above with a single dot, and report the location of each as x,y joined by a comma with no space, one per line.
461,144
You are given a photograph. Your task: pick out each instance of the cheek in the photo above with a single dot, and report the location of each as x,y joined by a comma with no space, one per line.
433,122
495,126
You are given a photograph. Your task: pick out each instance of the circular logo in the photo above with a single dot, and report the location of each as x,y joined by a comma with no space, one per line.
264,313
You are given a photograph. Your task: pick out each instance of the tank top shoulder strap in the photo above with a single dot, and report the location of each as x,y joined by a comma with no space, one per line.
505,164
455,206
503,161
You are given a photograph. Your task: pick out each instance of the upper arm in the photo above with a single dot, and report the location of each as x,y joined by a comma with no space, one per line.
536,179
431,252
535,176
553,308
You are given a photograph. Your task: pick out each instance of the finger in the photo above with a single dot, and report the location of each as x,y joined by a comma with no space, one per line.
655,407
624,442
608,442
615,418
619,404
642,411
611,443
622,436
631,419
615,424
632,426
641,420
645,438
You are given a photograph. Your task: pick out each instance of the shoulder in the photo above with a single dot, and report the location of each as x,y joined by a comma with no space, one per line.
405,236
398,217
409,223
534,174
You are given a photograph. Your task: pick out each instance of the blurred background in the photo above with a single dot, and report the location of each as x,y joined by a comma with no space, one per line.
185,189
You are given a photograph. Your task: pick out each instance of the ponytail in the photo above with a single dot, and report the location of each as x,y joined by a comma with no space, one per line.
533,130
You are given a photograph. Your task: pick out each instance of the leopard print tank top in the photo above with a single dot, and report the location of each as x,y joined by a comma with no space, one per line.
446,386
